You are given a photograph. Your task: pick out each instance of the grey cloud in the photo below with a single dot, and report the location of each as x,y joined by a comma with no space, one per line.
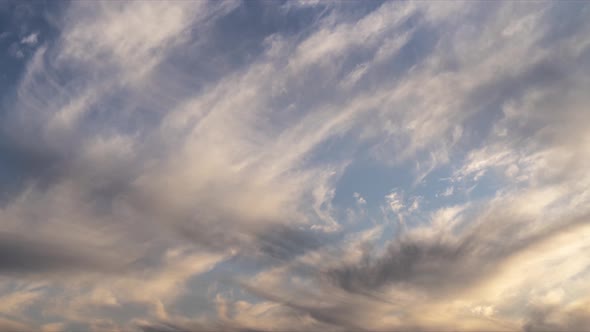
23,162
271,240
163,327
549,318
22,255
215,236
409,261
284,243
442,264
327,309
340,313
193,327
432,265
11,325
490,98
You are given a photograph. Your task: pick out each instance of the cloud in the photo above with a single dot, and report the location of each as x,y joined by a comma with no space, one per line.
7,324
555,318
392,291
443,263
20,255
284,243
31,39
184,166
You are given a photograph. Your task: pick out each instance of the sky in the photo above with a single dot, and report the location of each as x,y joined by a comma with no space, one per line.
294,166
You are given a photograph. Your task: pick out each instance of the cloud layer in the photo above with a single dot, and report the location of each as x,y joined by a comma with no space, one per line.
300,165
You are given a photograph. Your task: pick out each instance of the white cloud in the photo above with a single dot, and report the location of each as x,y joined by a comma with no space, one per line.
395,201
359,199
31,39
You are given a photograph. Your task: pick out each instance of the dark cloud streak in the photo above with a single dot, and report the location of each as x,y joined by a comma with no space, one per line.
23,255
440,264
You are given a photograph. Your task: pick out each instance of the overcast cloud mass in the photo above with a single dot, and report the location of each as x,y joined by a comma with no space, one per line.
294,166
